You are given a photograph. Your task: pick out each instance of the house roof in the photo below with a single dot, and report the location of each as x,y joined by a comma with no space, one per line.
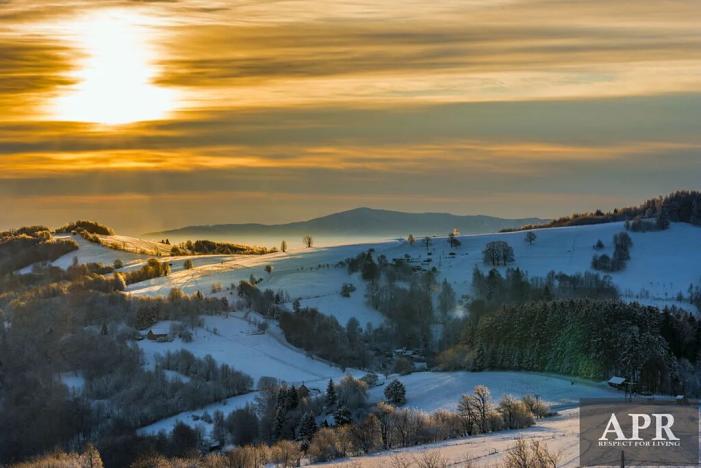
617,380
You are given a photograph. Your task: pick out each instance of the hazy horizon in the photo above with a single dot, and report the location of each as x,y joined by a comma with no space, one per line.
154,115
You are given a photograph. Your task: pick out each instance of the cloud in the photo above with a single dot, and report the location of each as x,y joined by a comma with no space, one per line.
510,106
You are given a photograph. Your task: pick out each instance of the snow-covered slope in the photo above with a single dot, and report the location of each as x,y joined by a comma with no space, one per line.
234,341
662,264
90,252
431,391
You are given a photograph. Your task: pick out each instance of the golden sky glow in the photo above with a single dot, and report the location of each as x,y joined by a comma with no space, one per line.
136,113
114,74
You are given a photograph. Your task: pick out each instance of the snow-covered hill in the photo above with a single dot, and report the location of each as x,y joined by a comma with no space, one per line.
662,264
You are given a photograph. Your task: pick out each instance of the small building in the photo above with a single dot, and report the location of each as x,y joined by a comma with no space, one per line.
157,336
420,366
617,382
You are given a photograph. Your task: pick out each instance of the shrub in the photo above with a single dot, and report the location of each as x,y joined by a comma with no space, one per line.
347,289
403,366
325,446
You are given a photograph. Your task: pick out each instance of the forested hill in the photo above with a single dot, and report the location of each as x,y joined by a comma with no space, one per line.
680,206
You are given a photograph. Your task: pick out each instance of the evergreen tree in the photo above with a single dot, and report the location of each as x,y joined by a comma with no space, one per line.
395,393
278,423
480,358
331,398
306,430
283,246
342,416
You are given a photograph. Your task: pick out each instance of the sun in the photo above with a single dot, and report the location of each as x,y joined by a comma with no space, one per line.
114,72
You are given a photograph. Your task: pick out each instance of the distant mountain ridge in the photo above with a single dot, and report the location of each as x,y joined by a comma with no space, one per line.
358,222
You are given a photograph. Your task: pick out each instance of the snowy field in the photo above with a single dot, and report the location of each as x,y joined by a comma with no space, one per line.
662,264
431,391
236,342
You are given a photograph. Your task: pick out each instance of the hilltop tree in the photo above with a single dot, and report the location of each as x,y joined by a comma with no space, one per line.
411,240
307,241
530,237
283,246
498,253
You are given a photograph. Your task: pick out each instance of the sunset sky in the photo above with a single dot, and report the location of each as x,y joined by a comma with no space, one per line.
146,115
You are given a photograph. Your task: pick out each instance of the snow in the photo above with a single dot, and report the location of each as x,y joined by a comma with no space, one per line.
662,264
225,406
136,245
74,381
431,391
559,433
236,342
90,252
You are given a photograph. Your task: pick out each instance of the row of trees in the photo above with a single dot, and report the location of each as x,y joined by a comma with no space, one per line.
514,286
381,427
28,247
680,206
207,247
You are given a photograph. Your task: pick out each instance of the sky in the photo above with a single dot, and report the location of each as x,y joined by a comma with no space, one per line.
156,114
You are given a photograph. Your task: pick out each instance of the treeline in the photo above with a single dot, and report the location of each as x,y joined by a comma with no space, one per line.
206,369
681,206
585,338
515,286
287,426
207,247
92,227
323,336
152,269
275,437
26,246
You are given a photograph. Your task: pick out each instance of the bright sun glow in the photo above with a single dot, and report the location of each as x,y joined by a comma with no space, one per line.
114,74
